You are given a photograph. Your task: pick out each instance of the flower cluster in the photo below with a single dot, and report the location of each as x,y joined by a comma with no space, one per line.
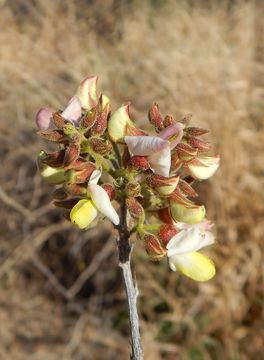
104,161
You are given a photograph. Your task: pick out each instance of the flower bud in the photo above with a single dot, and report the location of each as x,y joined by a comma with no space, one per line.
164,215
199,144
153,246
100,124
58,120
203,167
134,207
120,125
155,117
71,154
139,163
195,131
168,121
166,232
110,191
164,186
100,146
89,119
190,214
54,159
53,135
87,92
59,194
133,189
75,189
185,152
43,118
82,175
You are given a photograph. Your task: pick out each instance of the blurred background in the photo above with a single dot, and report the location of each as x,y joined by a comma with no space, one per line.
61,292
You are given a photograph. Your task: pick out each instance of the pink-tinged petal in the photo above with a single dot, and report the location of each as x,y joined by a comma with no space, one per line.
102,202
73,110
173,133
87,92
43,118
145,145
160,161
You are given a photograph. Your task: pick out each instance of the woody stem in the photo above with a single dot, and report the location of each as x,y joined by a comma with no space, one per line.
125,250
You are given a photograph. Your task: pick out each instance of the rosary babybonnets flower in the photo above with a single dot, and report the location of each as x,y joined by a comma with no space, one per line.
86,210
157,149
183,252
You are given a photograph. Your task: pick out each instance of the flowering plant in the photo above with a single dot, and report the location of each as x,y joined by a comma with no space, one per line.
106,167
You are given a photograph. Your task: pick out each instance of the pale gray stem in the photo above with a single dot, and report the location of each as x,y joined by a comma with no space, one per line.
132,294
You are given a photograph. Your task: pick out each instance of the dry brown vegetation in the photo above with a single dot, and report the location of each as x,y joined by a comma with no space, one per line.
61,294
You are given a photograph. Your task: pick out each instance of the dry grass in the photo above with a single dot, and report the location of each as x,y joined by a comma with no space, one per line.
204,57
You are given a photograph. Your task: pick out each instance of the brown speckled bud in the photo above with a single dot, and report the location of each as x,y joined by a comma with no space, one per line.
153,246
155,117
110,191
166,232
139,162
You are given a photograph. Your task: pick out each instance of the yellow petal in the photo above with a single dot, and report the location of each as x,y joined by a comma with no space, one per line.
187,214
83,213
118,123
194,265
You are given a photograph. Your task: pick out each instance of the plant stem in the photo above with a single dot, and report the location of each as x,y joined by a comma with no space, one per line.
125,251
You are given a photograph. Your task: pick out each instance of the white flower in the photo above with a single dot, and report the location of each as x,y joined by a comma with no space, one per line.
86,210
157,149
183,252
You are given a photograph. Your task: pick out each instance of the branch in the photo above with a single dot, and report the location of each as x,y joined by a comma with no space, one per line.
125,251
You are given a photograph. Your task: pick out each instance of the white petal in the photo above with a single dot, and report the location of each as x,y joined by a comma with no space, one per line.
145,145
160,162
94,178
189,240
102,202
73,110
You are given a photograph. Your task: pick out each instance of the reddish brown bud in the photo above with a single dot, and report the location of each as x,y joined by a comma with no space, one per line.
139,162
72,153
187,189
83,175
133,189
196,131
88,119
186,152
59,194
164,215
176,162
164,186
168,121
154,248
78,164
75,189
100,146
58,120
199,144
100,124
134,207
110,191
54,159
126,157
155,117
166,232
53,135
